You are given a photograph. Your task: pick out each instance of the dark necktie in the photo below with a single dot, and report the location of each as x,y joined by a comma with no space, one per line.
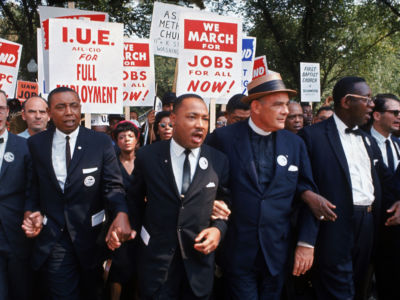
186,173
389,154
67,151
353,131
1,140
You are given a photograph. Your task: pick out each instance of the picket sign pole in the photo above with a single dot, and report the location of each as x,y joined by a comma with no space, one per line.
127,113
212,113
223,107
175,77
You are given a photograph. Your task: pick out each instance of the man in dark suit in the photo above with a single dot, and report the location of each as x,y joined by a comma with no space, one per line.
75,179
268,167
180,179
386,120
15,178
348,170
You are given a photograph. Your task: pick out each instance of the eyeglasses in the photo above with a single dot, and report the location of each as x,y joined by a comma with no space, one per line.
365,99
221,123
163,125
395,112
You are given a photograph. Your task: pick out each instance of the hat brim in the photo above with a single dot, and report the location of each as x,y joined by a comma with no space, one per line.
249,98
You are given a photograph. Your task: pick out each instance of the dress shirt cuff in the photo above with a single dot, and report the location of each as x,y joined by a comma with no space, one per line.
304,244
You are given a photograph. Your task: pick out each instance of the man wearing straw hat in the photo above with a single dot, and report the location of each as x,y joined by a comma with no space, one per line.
268,168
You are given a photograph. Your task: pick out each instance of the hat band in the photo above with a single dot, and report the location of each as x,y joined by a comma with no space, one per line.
269,86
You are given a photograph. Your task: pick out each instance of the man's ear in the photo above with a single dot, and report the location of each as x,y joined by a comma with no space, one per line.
376,115
345,102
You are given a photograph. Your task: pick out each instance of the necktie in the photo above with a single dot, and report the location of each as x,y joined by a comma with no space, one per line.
1,140
389,154
186,173
67,151
353,131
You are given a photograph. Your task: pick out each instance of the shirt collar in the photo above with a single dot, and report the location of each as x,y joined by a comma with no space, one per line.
256,129
340,124
62,135
379,137
5,136
178,149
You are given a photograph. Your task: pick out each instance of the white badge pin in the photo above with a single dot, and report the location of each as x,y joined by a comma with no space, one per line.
282,160
367,140
79,147
203,163
8,157
89,181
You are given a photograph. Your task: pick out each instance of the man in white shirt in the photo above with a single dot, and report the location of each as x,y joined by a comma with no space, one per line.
180,179
34,113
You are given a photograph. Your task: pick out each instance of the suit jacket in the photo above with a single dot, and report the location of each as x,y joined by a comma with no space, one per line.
15,179
94,158
331,174
260,218
172,221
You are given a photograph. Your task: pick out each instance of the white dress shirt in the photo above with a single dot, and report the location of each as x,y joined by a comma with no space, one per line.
178,158
381,140
25,134
58,154
3,146
257,129
359,165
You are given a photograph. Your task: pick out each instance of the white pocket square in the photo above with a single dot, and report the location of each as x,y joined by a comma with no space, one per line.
210,185
375,162
89,170
293,168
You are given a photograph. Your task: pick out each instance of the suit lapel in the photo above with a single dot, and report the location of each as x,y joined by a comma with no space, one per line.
336,144
47,143
280,151
165,163
200,174
243,148
10,147
79,150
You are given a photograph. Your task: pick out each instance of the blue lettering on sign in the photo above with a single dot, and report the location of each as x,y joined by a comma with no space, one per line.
247,49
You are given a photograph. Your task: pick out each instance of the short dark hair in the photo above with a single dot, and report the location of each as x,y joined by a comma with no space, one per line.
380,101
180,99
343,87
220,114
125,126
24,103
236,103
324,108
61,89
168,98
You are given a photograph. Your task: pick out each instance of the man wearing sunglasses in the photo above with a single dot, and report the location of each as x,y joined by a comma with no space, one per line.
386,119
348,170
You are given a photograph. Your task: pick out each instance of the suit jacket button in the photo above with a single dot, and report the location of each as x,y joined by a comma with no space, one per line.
62,229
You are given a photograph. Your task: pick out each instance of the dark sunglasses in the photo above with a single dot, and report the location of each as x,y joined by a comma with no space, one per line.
393,111
163,125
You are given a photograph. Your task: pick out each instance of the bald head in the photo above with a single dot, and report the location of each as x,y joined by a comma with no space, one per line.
34,112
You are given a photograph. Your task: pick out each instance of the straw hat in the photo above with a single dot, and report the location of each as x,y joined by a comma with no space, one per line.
266,85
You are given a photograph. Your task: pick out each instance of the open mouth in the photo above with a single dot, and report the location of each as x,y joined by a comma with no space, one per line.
197,137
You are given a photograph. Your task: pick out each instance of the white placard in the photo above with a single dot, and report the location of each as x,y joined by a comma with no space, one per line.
10,56
248,54
310,82
210,55
40,63
47,12
164,32
139,78
88,57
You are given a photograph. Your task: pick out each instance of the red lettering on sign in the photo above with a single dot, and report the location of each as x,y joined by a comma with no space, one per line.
136,55
8,54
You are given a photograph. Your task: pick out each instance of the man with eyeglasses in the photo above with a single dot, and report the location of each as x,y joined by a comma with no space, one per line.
348,170
386,120
15,181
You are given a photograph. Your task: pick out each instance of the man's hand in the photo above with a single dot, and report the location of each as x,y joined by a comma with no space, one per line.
320,207
207,240
220,210
151,117
119,231
303,260
395,219
32,224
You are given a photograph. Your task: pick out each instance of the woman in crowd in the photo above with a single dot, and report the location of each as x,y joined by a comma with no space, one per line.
163,126
126,136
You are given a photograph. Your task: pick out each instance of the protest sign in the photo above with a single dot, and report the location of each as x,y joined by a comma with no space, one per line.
40,63
248,53
88,57
210,61
139,78
10,56
310,82
164,32
26,89
260,67
47,12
